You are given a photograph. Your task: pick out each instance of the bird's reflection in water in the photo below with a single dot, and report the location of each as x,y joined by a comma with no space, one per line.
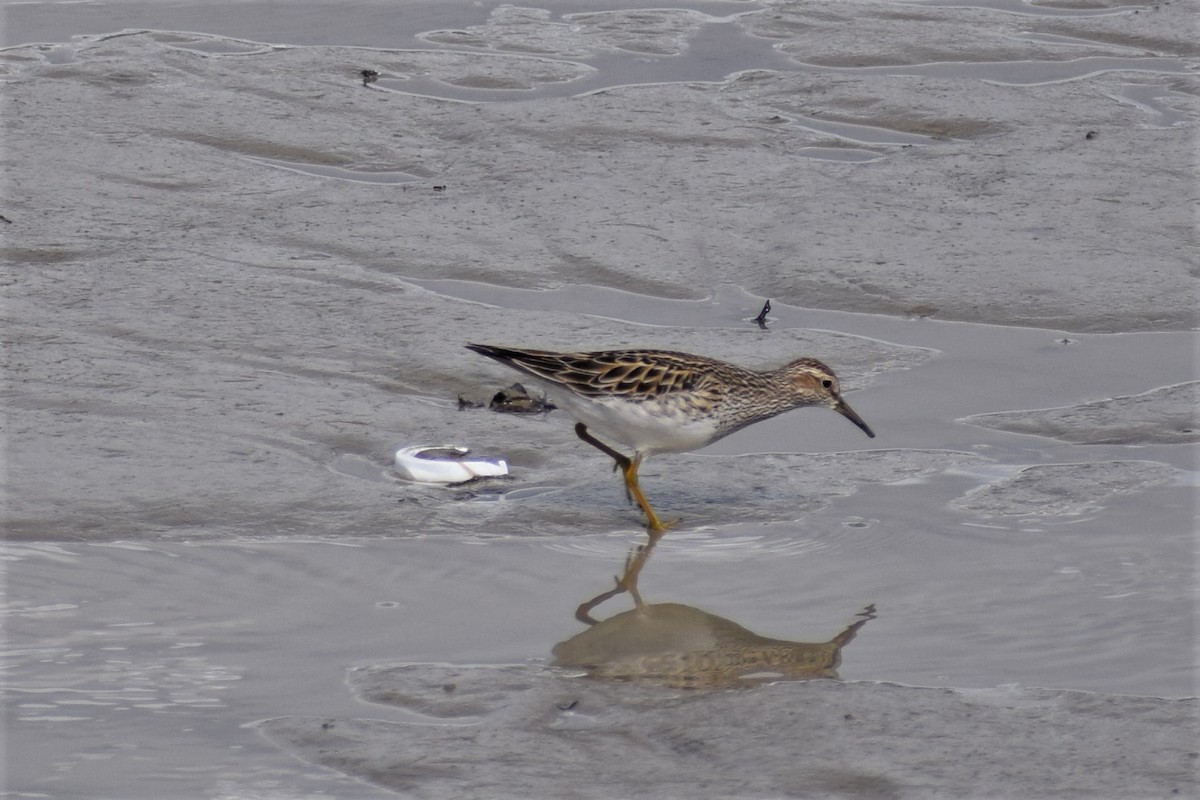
681,646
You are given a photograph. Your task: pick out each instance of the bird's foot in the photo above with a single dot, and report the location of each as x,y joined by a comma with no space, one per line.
655,527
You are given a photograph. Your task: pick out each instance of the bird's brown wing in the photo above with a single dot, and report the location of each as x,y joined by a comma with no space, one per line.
631,374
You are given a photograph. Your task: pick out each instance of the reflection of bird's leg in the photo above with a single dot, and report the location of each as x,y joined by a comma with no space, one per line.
626,583
629,469
633,567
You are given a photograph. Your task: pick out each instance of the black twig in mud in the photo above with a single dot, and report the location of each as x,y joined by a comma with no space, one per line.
761,319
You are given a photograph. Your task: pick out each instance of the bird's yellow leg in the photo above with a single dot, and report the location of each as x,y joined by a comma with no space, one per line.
582,432
629,469
654,526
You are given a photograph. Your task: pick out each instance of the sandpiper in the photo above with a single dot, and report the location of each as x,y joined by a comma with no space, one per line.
659,401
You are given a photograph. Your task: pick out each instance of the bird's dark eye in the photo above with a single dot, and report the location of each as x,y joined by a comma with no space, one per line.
828,384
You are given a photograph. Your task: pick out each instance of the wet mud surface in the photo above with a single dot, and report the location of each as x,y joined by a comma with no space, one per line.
238,279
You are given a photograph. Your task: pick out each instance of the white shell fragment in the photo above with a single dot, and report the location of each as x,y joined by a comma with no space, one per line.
446,464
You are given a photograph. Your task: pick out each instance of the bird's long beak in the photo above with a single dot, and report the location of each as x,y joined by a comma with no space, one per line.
843,408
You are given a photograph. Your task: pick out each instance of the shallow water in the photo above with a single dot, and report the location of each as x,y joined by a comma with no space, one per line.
172,649
210,535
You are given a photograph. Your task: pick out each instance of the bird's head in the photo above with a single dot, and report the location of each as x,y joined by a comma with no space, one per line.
814,381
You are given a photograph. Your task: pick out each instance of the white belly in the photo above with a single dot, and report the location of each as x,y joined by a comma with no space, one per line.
647,427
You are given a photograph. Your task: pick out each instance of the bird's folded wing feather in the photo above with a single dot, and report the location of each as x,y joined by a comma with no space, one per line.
627,374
